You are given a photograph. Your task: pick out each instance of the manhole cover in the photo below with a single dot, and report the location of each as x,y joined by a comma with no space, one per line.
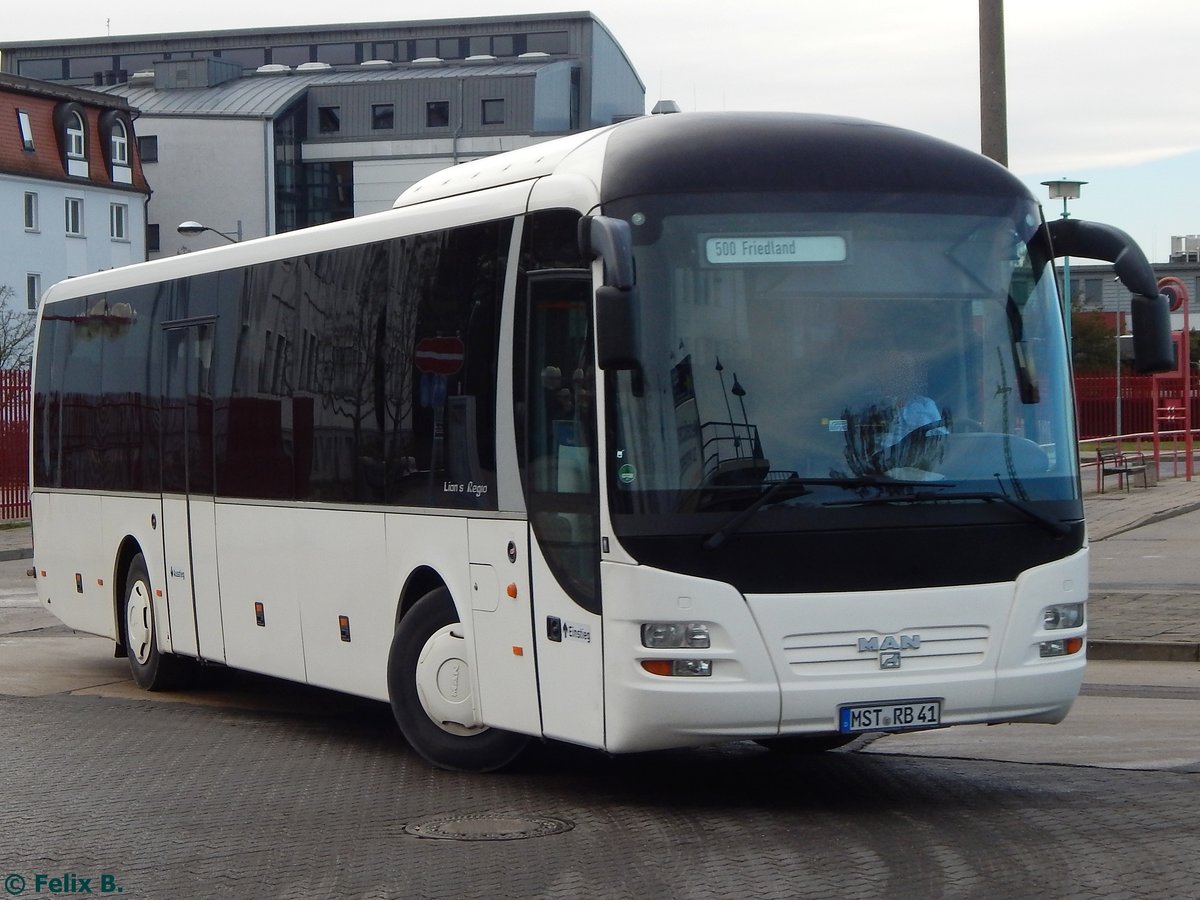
489,828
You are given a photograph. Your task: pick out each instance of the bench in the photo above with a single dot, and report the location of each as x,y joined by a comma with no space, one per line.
1122,465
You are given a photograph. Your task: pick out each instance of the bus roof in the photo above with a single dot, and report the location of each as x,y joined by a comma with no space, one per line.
688,152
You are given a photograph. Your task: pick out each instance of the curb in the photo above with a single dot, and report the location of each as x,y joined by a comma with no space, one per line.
1151,519
1144,651
20,553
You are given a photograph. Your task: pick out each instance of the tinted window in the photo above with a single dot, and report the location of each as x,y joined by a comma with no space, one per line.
361,374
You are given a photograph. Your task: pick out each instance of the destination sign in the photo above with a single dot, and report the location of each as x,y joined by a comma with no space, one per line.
751,249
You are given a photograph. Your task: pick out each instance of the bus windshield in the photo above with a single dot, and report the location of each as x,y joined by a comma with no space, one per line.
848,353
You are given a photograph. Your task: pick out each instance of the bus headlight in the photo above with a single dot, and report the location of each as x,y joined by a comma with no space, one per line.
1063,615
675,636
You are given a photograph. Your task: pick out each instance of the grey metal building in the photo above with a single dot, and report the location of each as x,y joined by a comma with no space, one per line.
254,132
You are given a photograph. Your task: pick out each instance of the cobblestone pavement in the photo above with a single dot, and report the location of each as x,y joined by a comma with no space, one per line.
169,800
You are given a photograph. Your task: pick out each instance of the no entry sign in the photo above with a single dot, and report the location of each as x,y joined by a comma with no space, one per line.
440,355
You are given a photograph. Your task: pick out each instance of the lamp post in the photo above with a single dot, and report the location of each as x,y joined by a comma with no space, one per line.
190,227
1065,190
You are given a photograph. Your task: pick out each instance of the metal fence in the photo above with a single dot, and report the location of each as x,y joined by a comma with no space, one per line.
14,444
1140,399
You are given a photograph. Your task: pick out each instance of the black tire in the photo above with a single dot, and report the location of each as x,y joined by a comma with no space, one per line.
461,746
808,743
152,669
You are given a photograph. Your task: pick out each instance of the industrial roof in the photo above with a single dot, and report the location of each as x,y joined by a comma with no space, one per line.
266,96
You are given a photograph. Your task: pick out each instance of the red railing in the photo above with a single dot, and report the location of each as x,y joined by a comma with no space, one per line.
14,444
1096,403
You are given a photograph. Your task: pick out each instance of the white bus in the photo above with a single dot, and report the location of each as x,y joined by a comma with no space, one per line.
690,429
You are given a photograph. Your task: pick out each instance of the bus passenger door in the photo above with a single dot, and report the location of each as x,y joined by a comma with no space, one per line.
188,510
557,423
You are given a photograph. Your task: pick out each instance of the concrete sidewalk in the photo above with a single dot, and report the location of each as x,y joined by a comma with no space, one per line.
1148,625
1119,626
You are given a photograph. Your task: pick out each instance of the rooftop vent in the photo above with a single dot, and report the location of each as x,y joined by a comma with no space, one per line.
535,54
664,107
428,61
314,67
376,63
481,58
273,69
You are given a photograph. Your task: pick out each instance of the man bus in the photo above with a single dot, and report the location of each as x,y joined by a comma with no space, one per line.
598,441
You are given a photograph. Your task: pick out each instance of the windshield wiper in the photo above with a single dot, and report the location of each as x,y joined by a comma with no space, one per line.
717,538
1053,525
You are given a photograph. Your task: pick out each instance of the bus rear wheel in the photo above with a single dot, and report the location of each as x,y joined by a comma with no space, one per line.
429,683
152,669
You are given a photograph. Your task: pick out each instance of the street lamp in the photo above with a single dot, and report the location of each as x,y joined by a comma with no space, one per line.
190,227
1065,190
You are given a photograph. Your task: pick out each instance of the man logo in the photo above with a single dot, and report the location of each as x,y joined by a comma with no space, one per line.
889,642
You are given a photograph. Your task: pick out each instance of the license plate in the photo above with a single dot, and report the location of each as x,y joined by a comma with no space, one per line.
890,716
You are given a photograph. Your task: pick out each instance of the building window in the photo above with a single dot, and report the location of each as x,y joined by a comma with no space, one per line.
425,48
148,148
329,119
338,54
384,50
75,216
118,221
492,112
76,143
31,211
120,144
33,289
292,55
547,42
153,244
26,129
383,116
450,48
437,114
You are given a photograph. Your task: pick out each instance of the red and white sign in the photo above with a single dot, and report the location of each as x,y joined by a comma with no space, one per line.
440,355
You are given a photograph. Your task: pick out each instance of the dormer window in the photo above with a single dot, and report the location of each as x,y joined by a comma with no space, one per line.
76,146
120,144
116,137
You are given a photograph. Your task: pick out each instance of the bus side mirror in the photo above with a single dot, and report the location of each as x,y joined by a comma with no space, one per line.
1152,347
610,241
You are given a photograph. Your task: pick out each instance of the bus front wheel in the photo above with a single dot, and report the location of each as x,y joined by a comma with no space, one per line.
152,669
429,683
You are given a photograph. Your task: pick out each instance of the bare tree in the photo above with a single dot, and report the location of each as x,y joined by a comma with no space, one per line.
16,332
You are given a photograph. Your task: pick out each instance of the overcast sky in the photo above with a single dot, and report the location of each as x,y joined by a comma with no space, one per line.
1103,91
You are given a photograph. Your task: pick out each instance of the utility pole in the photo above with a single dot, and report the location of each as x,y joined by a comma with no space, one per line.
993,102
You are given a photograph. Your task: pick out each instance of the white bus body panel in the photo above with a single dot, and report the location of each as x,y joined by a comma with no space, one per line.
254,545
87,532
505,665
785,664
77,525
571,670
